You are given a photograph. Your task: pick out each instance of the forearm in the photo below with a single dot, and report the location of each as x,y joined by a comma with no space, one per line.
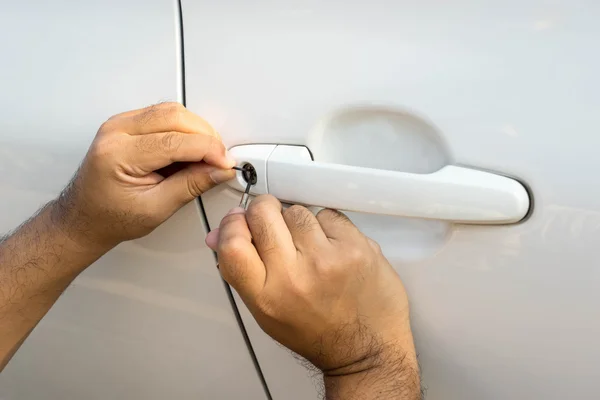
391,374
37,263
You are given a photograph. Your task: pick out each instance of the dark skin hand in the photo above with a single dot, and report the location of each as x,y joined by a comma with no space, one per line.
115,196
315,284
321,288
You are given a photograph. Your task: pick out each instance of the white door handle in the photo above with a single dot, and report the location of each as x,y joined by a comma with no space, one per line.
452,193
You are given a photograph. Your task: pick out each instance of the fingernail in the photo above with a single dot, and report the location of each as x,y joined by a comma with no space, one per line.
236,210
212,239
221,175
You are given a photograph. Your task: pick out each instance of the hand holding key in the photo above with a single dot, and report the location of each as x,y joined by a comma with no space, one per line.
320,287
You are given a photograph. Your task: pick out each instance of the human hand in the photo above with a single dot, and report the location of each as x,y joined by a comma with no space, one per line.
320,287
117,193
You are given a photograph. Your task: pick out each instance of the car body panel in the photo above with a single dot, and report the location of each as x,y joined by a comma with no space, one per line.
151,319
511,87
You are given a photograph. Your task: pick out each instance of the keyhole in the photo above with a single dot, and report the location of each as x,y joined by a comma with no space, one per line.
249,174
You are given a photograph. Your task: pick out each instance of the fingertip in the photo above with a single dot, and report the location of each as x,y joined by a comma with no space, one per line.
212,239
233,218
236,210
218,156
230,160
219,176
234,224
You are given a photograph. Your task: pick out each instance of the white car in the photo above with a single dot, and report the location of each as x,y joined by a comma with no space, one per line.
500,256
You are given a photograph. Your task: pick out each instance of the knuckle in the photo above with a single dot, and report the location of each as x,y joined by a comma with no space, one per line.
147,115
375,246
332,216
103,147
107,126
146,143
172,112
355,255
114,117
300,218
231,248
171,105
171,142
262,204
259,207
295,210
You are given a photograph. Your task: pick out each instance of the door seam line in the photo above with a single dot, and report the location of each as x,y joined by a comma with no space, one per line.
182,92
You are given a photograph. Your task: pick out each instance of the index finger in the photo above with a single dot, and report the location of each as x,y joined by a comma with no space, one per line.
151,152
163,117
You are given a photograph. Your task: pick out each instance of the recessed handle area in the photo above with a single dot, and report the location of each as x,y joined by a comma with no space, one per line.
453,193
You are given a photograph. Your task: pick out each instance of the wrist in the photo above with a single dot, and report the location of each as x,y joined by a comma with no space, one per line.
390,373
74,227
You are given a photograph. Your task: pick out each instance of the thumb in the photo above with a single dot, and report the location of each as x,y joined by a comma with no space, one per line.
239,262
189,183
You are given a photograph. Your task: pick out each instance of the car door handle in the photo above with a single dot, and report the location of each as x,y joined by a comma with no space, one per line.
452,193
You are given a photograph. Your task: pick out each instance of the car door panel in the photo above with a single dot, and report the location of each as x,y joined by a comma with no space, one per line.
511,87
150,319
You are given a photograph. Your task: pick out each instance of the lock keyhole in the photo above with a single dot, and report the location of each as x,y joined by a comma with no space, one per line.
249,174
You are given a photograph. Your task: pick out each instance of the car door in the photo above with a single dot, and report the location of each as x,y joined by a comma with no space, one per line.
504,311
152,318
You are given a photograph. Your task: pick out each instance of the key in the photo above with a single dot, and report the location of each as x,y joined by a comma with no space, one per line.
246,196
249,174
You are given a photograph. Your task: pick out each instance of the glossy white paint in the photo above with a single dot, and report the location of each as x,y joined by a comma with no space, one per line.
499,312
150,320
452,193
